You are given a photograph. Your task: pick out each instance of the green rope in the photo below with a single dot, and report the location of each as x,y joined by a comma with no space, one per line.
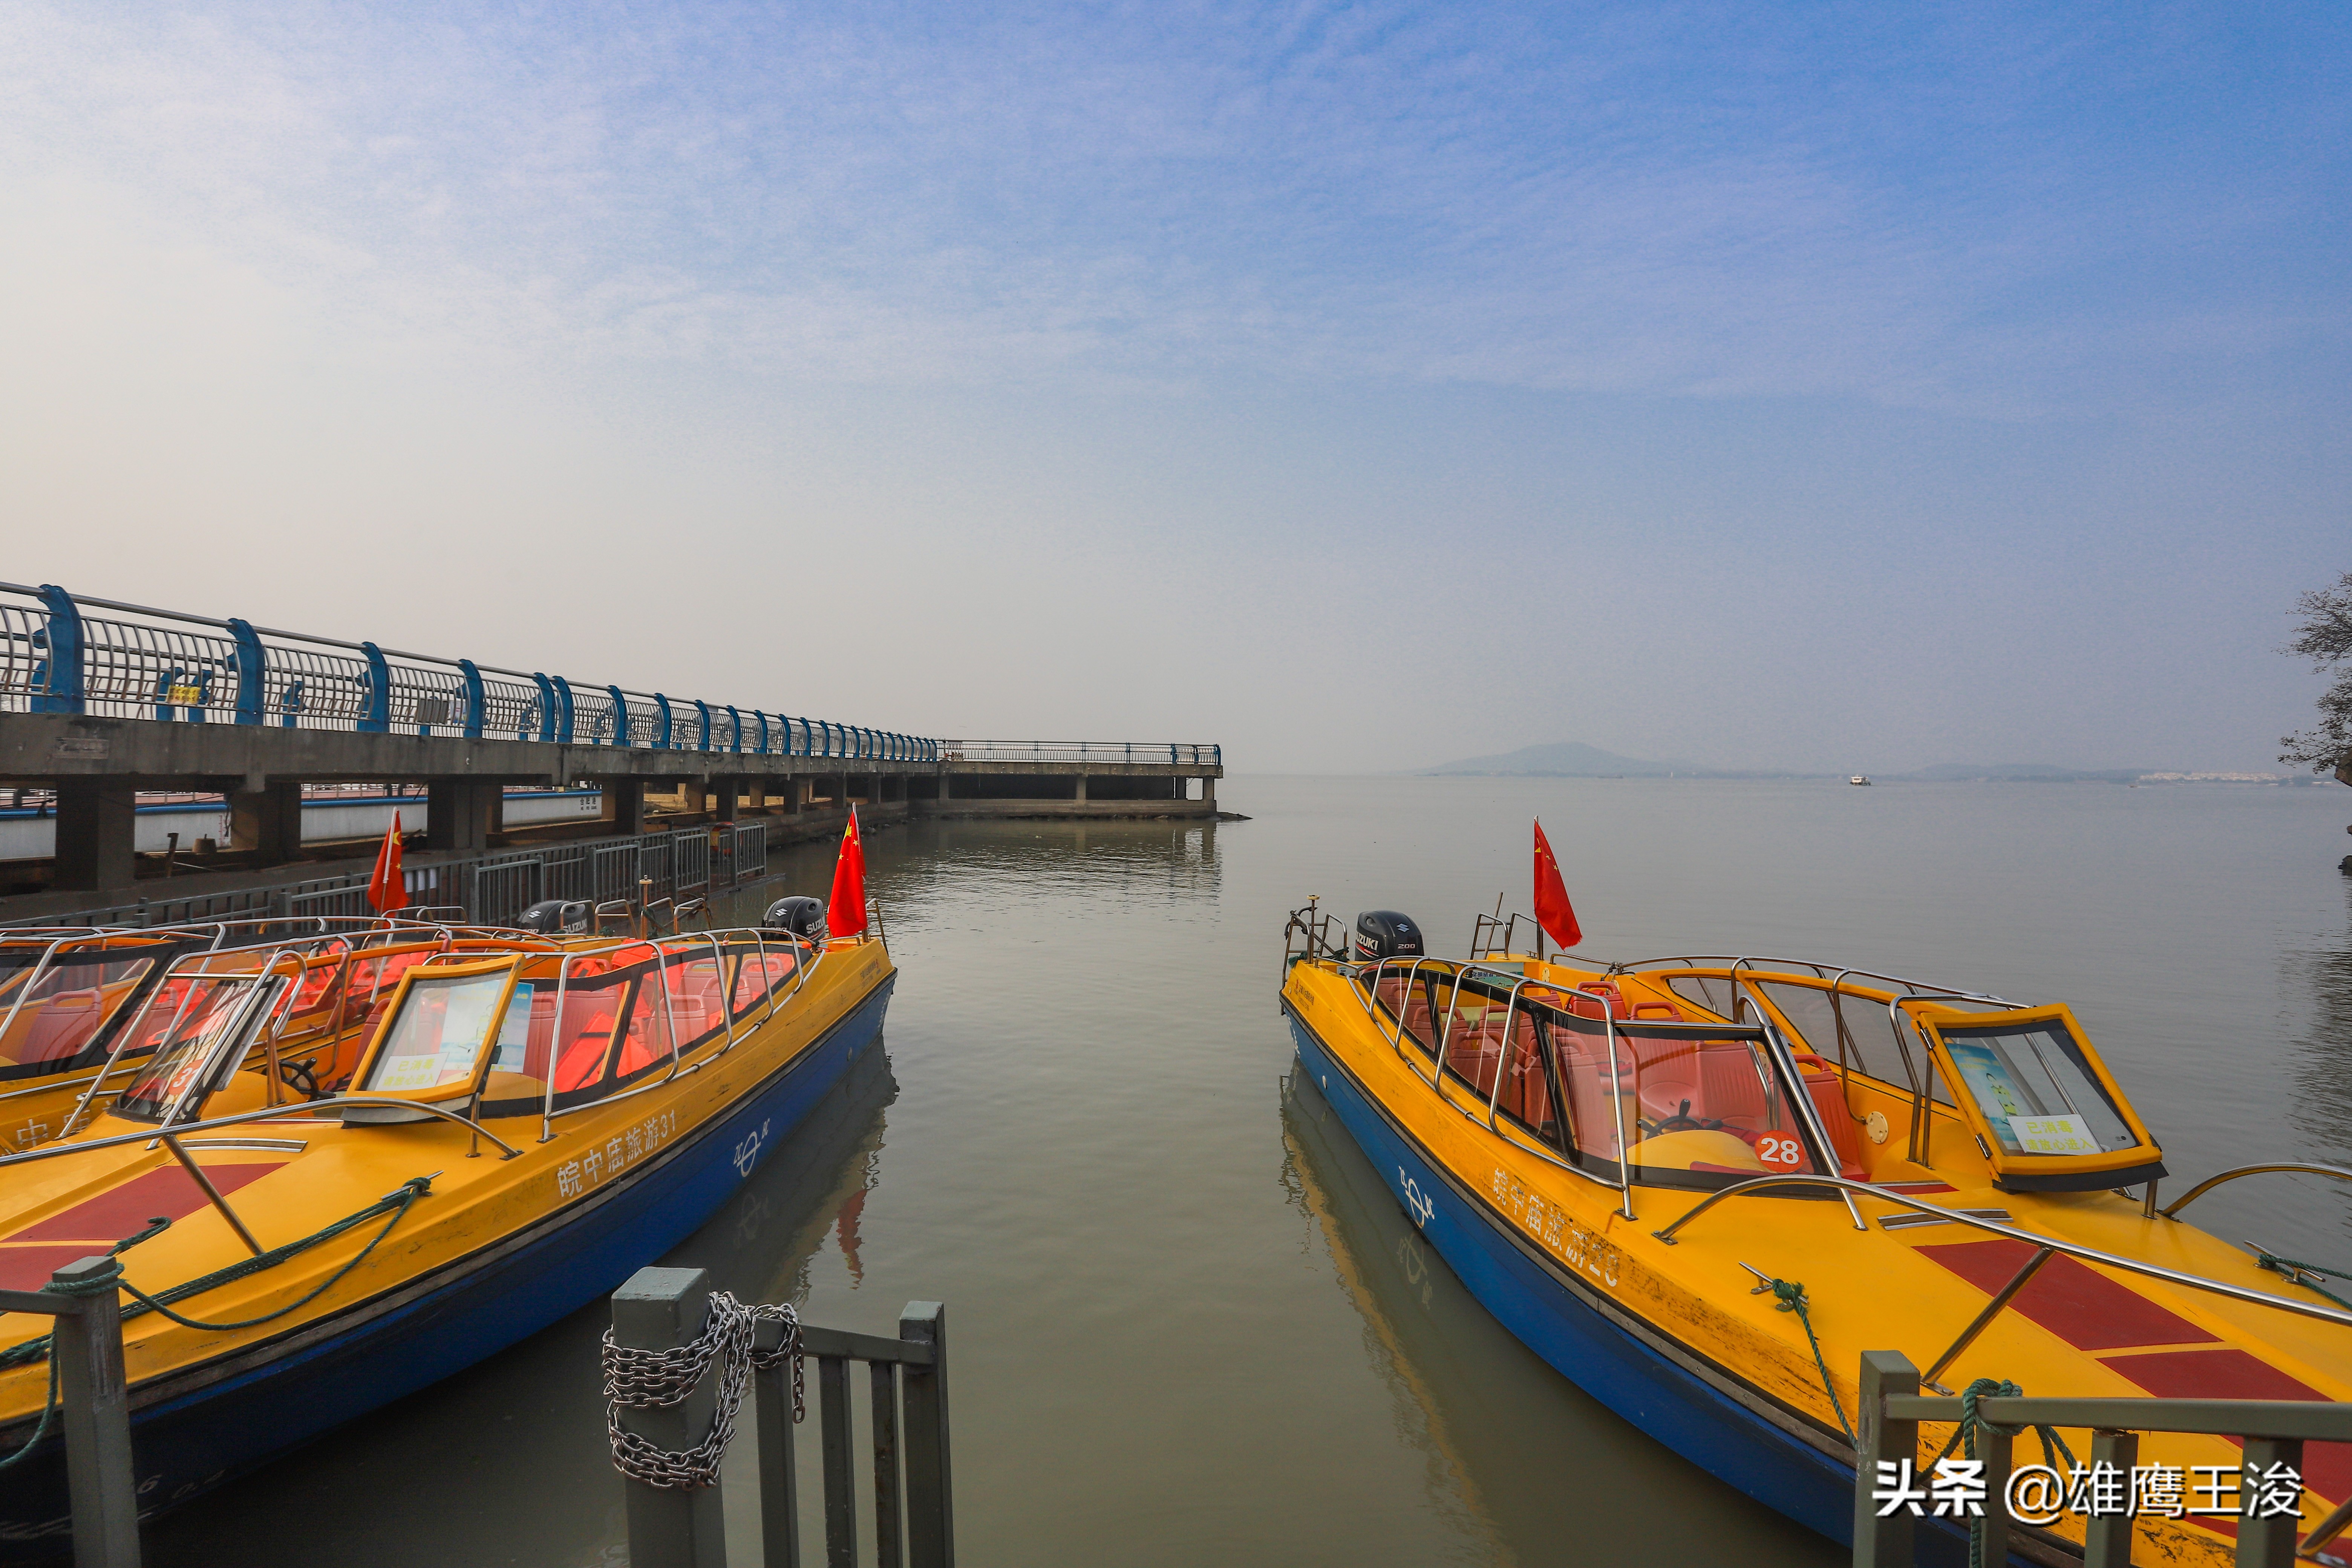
1790,1298
394,1203
2295,1268
1964,1436
90,1287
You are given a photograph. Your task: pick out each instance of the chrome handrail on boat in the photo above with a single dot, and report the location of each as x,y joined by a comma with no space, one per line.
1694,961
2296,1167
679,1068
2072,1249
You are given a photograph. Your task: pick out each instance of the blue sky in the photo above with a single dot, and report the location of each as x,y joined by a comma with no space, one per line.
1360,385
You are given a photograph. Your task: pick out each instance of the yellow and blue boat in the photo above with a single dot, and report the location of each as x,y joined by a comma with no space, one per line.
1701,1188
523,1121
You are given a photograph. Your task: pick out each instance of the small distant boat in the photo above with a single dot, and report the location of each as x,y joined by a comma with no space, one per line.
1858,779
1668,1177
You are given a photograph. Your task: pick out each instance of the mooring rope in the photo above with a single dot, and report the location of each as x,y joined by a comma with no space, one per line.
638,1379
2295,1269
1789,1296
395,1203
1964,1436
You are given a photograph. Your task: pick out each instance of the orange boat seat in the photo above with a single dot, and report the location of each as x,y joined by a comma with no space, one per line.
66,1023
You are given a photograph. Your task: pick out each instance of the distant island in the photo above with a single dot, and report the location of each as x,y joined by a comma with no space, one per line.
1576,760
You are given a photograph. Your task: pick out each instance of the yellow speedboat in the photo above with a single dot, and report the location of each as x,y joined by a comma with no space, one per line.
1675,1180
527,1120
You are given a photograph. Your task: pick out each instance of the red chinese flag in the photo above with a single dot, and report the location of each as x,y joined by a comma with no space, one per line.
848,913
387,890
1553,911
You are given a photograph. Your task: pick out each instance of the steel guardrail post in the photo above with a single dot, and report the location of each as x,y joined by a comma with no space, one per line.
2107,1537
840,1486
930,1491
57,681
1883,1542
94,1406
2269,1543
252,665
780,1501
889,1531
661,1309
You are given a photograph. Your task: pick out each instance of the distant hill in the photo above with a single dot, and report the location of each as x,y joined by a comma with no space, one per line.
1564,759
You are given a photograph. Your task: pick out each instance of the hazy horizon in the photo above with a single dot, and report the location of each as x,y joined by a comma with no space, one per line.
1351,385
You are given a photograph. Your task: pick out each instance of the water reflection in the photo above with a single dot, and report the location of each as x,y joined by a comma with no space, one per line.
508,1462
1518,1460
2317,982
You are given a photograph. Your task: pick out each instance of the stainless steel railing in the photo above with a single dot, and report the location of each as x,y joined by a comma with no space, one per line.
59,654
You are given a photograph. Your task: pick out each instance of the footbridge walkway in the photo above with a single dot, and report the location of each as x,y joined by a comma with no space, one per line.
100,701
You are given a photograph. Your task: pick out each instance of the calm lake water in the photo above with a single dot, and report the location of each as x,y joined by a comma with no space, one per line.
1187,1322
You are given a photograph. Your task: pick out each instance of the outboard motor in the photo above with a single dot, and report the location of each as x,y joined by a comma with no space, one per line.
556,917
804,916
1384,933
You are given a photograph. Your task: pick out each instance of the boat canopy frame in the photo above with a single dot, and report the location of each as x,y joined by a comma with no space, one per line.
1514,978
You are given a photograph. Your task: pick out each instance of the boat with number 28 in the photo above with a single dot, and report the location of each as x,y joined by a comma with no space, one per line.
498,1133
1702,1188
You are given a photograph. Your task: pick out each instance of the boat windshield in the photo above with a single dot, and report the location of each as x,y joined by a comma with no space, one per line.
437,1035
1691,1110
54,1019
2036,1089
201,1025
1682,1102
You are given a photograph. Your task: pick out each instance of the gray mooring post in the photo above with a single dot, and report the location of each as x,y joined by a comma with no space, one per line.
1883,1542
94,1405
780,1502
931,1515
670,1527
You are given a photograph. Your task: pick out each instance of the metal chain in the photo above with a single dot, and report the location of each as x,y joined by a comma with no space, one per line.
654,1379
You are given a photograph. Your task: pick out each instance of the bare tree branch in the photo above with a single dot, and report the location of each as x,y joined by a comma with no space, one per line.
2324,637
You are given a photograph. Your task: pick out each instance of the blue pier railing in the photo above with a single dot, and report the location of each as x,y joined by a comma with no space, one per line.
63,653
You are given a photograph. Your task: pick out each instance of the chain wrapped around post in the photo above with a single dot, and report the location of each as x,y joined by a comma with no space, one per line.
651,1379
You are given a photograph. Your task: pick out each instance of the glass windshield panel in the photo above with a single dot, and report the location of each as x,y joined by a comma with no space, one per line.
759,974
438,1033
190,1025
2036,1092
59,1014
1865,1041
1412,1009
1711,1108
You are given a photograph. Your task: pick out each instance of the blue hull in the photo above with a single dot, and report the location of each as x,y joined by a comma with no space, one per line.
1557,1320
275,1397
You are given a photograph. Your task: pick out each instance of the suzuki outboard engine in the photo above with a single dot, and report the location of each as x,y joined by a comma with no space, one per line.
555,917
802,916
1384,933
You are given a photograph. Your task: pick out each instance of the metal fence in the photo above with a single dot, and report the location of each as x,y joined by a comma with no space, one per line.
491,889
1891,1484
57,656
1172,753
907,1472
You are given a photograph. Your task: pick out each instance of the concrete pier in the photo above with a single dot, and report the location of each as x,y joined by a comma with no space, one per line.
96,765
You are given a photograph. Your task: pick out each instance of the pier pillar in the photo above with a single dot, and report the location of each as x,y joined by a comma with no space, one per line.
1081,796
1209,792
625,805
694,796
723,800
947,785
96,828
459,813
268,821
